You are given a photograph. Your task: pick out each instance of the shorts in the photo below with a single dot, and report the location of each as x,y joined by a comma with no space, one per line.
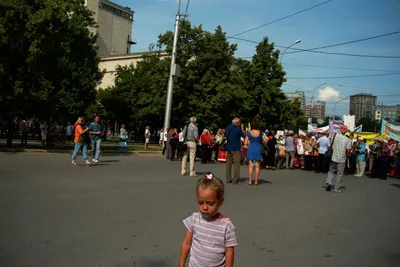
147,140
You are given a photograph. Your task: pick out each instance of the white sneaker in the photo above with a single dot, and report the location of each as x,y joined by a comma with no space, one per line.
96,161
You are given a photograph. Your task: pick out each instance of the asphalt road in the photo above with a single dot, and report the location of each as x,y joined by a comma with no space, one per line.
128,211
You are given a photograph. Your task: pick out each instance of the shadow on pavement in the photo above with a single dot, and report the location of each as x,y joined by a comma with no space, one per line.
110,160
396,185
155,263
99,164
260,181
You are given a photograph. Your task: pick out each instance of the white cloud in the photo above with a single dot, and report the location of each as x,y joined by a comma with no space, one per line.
329,94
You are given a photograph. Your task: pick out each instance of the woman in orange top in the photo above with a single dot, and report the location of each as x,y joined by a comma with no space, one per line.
79,141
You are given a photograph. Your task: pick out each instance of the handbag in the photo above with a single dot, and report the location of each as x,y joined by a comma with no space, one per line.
222,146
184,144
329,153
82,137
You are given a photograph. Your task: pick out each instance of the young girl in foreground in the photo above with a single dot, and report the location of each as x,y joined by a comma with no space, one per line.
210,237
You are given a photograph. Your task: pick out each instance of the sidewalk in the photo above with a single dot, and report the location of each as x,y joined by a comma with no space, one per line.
34,146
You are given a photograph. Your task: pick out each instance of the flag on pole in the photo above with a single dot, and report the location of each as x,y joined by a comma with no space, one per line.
358,129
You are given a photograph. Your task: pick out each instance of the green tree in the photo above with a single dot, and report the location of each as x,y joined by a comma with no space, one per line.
207,88
139,94
48,59
263,78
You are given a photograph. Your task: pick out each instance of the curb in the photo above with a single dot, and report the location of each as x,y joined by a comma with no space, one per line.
15,150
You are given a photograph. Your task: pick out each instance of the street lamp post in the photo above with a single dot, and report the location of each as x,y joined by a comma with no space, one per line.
297,41
173,70
334,107
312,100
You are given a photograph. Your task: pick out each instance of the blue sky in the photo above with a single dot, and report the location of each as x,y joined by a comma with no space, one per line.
335,22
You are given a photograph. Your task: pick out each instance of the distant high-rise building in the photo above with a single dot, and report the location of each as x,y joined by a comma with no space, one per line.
362,106
389,112
315,110
298,96
114,30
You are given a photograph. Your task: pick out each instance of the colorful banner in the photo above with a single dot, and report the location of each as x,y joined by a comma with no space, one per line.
312,129
392,130
334,126
370,137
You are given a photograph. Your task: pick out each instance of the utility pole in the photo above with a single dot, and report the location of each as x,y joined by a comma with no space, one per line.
173,70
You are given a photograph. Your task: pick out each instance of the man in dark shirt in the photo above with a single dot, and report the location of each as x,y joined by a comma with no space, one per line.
234,133
95,131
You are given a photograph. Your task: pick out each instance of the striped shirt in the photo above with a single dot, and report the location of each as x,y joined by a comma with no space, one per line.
210,238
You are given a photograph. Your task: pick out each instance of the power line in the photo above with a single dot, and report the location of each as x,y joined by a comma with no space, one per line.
344,68
321,52
187,8
345,43
288,16
342,77
355,88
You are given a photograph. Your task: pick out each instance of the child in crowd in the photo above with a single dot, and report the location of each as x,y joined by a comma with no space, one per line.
210,237
281,156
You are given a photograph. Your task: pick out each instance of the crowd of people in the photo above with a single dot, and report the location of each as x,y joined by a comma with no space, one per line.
286,150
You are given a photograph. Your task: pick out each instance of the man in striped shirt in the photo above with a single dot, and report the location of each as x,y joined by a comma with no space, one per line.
191,134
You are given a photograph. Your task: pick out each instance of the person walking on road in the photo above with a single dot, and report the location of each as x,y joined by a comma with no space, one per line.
80,141
341,146
95,130
191,133
234,133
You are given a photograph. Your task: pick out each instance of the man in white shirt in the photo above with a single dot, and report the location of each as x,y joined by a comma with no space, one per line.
323,145
165,138
161,135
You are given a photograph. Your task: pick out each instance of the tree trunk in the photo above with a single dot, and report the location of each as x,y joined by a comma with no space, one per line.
10,133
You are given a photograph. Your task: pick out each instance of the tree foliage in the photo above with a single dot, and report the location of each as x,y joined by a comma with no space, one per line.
213,85
48,58
138,96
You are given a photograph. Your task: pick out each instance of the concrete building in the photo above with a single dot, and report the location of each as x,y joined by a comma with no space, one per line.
316,110
389,112
109,65
298,96
362,106
114,27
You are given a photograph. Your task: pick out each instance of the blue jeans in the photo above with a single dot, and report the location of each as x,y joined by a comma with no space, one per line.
78,147
96,149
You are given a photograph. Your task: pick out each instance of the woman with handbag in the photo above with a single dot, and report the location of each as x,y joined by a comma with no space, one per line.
80,141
